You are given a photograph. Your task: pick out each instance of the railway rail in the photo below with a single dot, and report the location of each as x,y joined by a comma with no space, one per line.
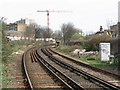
31,57
103,74
43,70
91,77
83,64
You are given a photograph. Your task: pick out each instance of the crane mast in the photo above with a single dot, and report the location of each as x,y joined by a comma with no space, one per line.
48,11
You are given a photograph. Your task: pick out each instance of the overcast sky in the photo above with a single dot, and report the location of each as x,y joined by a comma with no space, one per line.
87,15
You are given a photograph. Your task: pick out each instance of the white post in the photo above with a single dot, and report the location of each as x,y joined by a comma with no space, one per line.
104,49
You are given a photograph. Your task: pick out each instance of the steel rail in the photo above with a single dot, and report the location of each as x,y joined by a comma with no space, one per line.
109,85
71,84
25,69
86,65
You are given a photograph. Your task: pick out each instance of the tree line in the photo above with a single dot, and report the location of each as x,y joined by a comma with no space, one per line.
67,32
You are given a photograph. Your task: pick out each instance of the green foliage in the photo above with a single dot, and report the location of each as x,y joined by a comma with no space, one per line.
68,49
4,26
77,36
68,31
39,41
9,47
93,43
92,59
5,81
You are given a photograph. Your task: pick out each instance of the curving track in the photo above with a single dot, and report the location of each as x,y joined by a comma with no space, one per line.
43,70
100,82
40,74
103,74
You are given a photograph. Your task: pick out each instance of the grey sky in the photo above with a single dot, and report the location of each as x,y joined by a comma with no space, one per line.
87,15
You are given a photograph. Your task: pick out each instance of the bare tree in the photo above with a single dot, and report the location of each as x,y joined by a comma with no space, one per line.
57,34
68,30
30,32
42,32
109,23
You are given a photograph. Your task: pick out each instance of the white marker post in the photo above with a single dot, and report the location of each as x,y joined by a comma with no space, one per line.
104,49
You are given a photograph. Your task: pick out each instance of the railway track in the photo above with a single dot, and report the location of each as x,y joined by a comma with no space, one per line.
83,64
102,74
43,75
91,77
43,70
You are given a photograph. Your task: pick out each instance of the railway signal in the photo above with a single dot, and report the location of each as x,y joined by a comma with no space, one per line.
48,11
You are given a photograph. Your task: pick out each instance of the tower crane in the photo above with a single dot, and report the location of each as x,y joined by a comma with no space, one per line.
48,11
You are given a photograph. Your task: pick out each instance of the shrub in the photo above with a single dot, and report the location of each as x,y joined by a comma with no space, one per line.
9,47
68,49
93,43
114,45
76,47
90,58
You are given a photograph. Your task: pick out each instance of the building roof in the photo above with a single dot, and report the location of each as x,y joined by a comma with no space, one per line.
14,32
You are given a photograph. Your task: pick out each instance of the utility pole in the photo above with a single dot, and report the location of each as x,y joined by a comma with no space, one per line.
48,12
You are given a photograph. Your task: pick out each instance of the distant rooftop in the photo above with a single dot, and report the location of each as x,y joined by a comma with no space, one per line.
14,32
22,21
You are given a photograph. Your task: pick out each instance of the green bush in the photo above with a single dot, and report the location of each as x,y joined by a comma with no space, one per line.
93,43
9,47
90,58
68,49
76,47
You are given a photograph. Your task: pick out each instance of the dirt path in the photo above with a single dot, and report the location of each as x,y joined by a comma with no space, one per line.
14,66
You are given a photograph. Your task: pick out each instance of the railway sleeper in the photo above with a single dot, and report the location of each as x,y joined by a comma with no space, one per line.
65,77
84,73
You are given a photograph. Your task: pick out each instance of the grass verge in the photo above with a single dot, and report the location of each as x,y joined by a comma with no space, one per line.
8,52
92,59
